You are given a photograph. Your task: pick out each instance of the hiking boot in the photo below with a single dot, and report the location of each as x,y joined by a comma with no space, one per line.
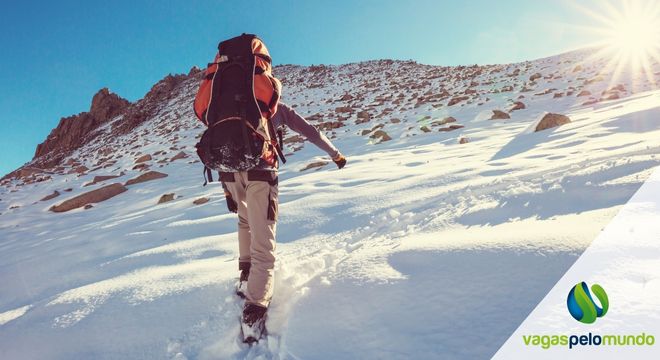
253,323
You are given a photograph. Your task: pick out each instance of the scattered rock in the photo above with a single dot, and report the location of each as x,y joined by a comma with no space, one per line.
499,115
51,196
518,105
463,140
141,166
380,134
535,76
316,164
200,201
148,176
143,158
165,198
180,155
584,93
451,127
456,100
99,178
446,120
79,170
364,115
425,129
611,96
94,196
551,120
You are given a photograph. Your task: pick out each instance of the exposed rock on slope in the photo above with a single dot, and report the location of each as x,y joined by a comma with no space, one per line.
148,176
94,196
551,120
147,107
76,130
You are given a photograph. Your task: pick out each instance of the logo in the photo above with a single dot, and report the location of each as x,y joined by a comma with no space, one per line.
582,306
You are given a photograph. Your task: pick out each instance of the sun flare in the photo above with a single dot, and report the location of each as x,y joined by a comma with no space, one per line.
630,33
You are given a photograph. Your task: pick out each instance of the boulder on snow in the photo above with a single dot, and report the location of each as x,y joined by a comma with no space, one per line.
456,100
141,167
380,134
551,120
518,105
143,158
148,176
535,76
363,115
316,164
499,115
463,140
79,170
200,201
94,196
165,198
180,155
51,196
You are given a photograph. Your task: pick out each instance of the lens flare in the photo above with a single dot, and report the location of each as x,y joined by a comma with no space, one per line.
630,34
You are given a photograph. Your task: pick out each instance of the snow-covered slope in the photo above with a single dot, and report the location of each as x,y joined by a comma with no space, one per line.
415,249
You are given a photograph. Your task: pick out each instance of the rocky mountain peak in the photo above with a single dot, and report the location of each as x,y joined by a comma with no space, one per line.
74,131
106,105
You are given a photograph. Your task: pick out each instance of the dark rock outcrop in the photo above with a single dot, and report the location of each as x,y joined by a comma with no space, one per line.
74,131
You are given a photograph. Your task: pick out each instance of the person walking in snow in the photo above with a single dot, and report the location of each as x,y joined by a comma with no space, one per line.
238,101
253,195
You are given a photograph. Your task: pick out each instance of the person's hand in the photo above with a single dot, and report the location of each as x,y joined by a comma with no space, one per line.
340,160
231,204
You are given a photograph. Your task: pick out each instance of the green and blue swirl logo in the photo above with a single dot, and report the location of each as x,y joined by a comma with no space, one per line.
582,306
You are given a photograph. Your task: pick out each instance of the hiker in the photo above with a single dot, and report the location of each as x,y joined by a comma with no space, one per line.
245,120
253,194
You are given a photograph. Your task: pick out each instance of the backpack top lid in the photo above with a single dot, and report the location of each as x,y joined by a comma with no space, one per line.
244,44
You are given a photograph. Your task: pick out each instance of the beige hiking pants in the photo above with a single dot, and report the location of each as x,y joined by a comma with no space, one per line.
255,193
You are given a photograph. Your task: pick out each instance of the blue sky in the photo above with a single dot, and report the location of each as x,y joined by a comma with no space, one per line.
57,54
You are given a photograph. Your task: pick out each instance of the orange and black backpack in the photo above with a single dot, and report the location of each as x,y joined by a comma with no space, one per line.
236,100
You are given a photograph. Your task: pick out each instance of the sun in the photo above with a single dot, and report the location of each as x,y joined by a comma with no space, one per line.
630,33
635,35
